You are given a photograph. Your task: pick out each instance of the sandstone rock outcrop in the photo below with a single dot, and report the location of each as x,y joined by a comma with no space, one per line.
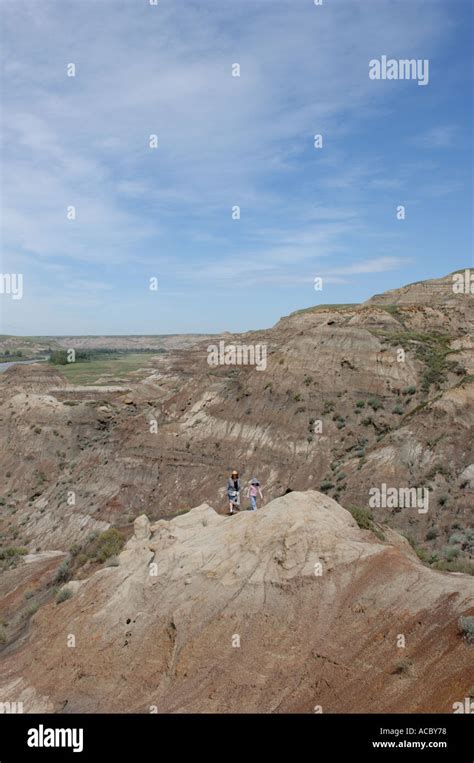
280,610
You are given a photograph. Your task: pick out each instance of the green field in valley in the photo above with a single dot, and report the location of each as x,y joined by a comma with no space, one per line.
88,371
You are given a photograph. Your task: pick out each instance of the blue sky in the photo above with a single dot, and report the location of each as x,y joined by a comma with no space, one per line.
225,141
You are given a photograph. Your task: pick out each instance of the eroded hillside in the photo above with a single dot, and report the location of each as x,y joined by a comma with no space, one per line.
335,410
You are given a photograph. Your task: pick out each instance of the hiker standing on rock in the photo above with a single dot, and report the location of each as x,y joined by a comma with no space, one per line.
233,492
252,491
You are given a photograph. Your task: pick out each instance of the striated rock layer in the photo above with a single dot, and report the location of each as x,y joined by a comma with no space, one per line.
334,410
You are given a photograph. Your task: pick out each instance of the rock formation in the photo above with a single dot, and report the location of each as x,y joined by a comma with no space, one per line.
281,610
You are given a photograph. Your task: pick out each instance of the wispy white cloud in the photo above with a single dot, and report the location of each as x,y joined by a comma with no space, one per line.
373,265
439,136
223,140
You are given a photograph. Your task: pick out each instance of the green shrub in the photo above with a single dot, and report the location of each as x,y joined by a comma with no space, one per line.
422,554
10,557
360,404
109,543
432,349
31,609
431,534
434,355
11,551
60,357
363,517
63,595
450,553
378,533
3,635
466,626
397,409
63,572
455,565
326,485
374,403
329,406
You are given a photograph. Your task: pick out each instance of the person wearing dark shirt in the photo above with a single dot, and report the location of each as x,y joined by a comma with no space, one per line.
233,492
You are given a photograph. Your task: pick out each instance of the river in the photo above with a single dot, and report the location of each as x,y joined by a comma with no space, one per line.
4,366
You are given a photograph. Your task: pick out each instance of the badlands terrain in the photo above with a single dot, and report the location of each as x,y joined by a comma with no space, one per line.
113,525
